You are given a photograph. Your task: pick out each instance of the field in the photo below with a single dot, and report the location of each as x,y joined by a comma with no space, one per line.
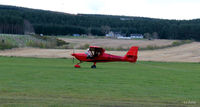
116,43
39,82
183,53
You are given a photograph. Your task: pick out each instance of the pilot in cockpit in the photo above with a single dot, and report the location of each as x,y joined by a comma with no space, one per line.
89,54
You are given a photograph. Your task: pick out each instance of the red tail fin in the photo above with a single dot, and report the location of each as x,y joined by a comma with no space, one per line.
131,55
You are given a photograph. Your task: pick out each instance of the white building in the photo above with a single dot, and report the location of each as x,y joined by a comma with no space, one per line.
113,34
122,37
136,36
110,34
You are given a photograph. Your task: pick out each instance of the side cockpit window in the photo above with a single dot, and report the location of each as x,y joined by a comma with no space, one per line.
92,53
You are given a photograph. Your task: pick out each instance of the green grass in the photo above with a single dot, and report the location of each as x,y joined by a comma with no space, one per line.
37,82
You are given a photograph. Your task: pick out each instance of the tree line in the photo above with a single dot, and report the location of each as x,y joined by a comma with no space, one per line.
18,20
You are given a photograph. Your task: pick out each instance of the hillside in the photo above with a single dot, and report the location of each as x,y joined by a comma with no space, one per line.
18,20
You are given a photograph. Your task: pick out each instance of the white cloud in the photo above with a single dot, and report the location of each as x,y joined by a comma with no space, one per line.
171,9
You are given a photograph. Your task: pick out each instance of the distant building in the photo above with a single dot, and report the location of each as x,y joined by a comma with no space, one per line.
114,34
124,19
76,34
122,37
132,36
136,36
110,34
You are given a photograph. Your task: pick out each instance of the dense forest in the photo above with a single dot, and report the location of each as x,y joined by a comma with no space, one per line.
18,20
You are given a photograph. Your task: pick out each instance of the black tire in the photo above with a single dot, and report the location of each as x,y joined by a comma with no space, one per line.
93,66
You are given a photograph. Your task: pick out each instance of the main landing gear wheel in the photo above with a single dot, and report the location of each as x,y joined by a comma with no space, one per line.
93,66
77,65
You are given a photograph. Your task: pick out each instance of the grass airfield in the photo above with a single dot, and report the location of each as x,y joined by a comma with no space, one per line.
39,82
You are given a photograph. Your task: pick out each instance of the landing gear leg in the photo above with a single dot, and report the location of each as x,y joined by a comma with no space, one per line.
94,66
77,65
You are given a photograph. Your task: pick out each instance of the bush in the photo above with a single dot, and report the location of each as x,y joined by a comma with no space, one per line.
177,43
60,42
6,45
11,41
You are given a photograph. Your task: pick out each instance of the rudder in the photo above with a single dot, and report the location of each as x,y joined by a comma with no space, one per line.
131,55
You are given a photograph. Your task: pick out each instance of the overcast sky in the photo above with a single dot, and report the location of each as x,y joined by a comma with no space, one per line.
166,9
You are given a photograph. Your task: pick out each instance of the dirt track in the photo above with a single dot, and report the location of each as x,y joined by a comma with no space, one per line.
184,53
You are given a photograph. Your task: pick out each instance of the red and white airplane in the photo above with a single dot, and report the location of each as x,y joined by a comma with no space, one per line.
97,54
